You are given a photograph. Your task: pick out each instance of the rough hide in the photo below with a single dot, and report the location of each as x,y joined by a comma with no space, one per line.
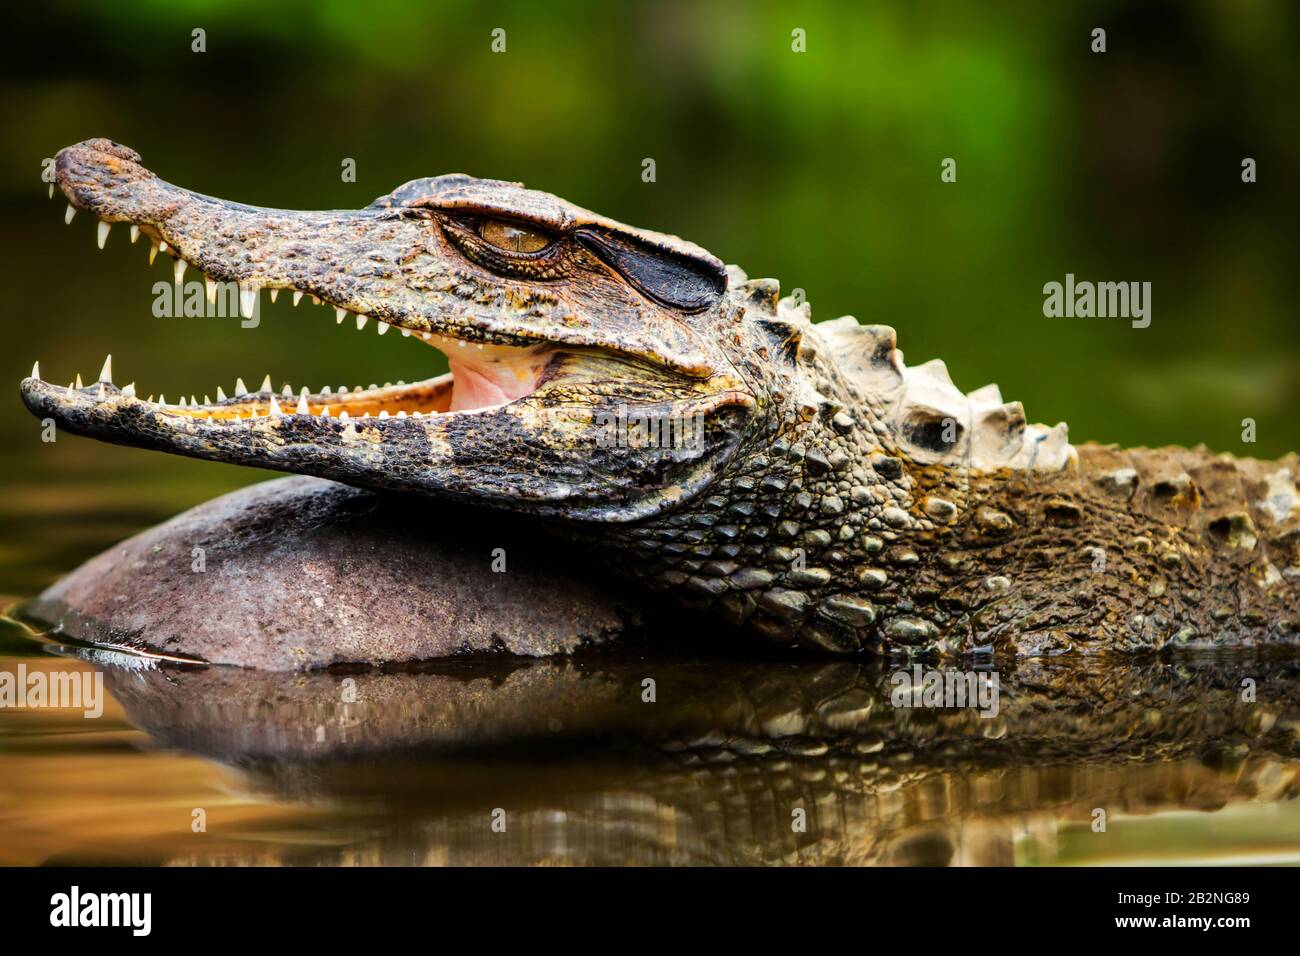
304,573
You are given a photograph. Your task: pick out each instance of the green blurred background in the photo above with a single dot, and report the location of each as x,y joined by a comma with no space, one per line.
820,168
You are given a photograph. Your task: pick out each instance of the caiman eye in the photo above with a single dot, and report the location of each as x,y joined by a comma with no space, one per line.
512,238
507,248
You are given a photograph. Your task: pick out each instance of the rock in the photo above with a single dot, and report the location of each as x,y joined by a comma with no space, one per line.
305,573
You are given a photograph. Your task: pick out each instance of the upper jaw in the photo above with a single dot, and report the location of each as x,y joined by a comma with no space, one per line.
386,262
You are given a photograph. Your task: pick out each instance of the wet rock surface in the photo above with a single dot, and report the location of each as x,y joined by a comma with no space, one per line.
304,573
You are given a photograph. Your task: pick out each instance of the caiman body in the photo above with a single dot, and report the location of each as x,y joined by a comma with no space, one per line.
799,480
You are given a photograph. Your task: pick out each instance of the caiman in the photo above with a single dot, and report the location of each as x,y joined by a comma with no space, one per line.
699,433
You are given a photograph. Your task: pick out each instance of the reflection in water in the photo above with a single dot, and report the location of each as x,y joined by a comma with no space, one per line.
722,766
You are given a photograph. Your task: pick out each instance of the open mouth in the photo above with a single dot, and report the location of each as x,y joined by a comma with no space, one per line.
483,375
566,336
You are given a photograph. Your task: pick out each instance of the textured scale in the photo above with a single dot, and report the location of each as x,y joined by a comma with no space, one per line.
884,510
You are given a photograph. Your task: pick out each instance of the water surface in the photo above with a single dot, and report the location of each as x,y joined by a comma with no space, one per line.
570,762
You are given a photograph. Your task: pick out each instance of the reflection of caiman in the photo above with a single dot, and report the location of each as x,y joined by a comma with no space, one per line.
840,500
712,770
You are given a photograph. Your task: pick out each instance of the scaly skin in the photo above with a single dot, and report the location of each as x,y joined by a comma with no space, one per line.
838,500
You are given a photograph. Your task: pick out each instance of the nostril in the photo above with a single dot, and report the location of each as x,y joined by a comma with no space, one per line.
123,152
106,147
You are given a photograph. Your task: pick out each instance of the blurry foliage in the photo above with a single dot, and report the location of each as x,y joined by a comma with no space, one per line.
820,168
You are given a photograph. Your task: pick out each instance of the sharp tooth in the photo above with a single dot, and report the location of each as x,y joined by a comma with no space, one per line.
150,399
106,373
206,400
153,253
286,391
79,385
326,390
101,234
343,389
343,415
129,390
178,270
67,216
102,393
51,190
366,415
357,388
221,396
401,414
406,333
194,401
383,327
315,300
210,286
426,335
240,389
462,343
36,371
339,315
297,297
162,399
162,245
383,414
247,299
361,322
274,293
324,411
417,415
373,386
266,383
135,233
302,408
182,402
275,407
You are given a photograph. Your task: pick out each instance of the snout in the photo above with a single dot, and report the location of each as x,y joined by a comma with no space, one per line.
108,180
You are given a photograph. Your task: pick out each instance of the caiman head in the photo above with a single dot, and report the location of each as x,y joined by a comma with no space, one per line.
560,328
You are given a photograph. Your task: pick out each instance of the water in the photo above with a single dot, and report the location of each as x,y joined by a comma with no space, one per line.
568,762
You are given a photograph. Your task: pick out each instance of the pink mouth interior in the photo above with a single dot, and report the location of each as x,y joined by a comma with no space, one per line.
483,377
